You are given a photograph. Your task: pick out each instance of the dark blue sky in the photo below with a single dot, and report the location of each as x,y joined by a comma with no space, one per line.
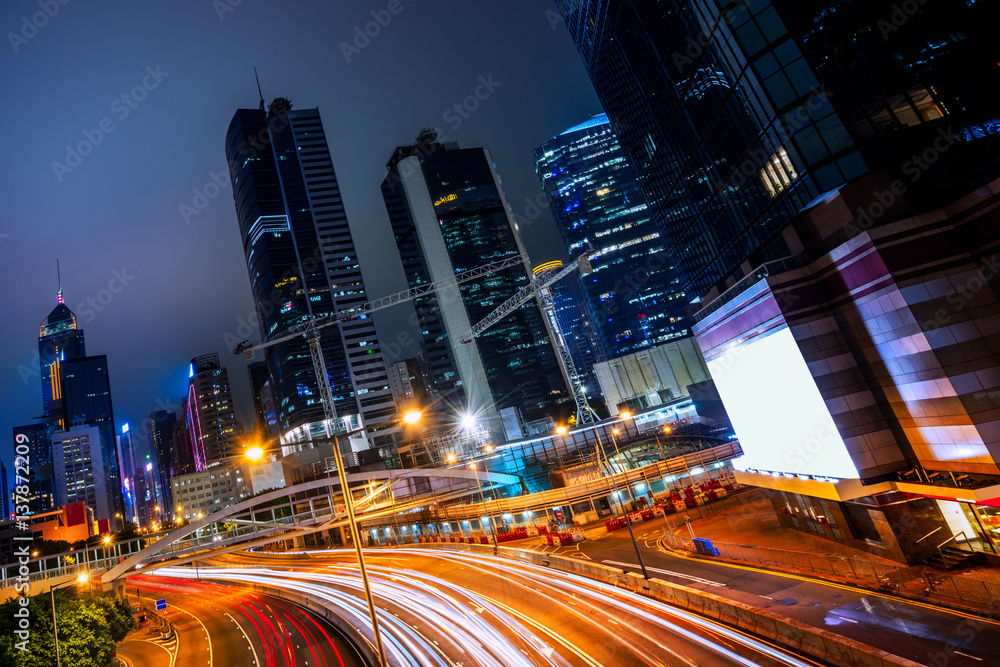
182,285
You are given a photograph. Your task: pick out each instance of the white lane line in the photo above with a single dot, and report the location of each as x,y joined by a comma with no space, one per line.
203,628
766,597
707,582
256,661
967,655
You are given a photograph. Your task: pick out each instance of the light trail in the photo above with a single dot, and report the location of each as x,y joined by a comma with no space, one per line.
459,625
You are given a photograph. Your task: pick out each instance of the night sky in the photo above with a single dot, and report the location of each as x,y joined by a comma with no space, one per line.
162,289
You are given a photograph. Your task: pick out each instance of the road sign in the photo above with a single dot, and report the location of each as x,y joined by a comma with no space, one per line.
161,605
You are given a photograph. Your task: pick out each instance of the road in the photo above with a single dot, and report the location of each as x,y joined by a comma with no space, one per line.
913,630
457,609
231,627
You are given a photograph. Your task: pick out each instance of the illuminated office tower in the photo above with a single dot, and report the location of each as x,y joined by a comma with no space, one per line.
632,294
825,177
449,214
210,413
302,264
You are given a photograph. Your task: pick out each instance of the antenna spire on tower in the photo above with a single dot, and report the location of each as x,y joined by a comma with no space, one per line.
59,295
259,92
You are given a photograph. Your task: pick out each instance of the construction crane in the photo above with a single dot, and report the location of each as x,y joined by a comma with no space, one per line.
312,328
538,288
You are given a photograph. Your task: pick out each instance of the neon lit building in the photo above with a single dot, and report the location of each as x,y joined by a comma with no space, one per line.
211,417
632,294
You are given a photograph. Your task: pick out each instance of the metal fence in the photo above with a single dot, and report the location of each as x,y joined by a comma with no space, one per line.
910,582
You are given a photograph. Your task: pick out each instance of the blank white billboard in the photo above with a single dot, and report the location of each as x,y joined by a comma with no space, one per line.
777,411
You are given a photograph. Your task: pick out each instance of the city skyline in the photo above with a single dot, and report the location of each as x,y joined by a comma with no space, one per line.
145,264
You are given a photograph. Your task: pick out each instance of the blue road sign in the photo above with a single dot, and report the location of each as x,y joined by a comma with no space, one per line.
161,605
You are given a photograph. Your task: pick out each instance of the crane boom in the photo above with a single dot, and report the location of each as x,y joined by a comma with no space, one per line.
317,323
521,297
538,289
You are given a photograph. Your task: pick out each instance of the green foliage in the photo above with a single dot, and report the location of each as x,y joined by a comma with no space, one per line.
88,630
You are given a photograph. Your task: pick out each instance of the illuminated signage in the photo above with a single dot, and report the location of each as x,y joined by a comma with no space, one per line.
446,198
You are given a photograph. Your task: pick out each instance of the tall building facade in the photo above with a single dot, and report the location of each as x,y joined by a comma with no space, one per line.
75,388
160,427
579,333
263,400
825,175
126,446
632,293
302,264
449,214
211,416
79,472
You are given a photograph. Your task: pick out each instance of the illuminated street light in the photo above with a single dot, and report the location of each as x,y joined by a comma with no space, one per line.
468,421
451,458
412,417
625,415
561,430
255,453
489,449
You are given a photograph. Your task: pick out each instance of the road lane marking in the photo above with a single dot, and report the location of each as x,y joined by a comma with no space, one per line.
256,661
203,628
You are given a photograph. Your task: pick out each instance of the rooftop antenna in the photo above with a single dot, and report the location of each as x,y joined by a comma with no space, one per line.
261,94
59,296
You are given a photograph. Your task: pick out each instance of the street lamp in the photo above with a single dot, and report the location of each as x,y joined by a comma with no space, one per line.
482,496
561,430
82,579
628,521
411,417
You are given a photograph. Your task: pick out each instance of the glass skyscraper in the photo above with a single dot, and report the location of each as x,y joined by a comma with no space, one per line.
737,115
632,293
302,264
210,414
826,177
449,214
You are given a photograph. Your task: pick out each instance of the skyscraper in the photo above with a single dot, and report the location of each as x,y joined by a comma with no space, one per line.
59,339
126,454
79,471
632,293
302,264
449,214
211,416
263,400
735,116
826,175
75,389
160,427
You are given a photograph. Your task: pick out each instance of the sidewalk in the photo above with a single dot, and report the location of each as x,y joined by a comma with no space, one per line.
750,535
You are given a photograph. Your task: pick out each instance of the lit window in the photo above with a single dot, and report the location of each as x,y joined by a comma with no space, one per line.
778,173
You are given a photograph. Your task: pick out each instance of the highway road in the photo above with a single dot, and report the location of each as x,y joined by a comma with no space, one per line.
227,626
924,633
455,609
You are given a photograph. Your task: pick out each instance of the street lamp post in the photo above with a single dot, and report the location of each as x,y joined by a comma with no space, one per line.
482,496
410,418
55,628
628,520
